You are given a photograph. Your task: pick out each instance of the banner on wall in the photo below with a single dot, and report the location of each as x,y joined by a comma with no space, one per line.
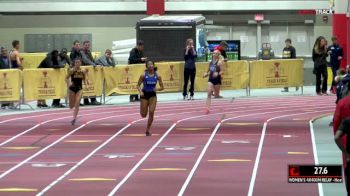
93,81
276,73
10,84
44,84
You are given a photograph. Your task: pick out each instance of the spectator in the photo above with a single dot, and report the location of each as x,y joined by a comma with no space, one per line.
16,61
5,64
4,60
106,60
319,55
63,58
289,52
190,68
342,133
136,56
51,61
88,60
75,53
336,54
222,47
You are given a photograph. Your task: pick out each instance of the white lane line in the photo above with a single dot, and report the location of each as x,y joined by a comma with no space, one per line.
257,160
314,150
117,187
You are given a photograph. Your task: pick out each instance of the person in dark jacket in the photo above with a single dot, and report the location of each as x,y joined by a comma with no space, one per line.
336,54
51,61
289,52
64,59
319,55
136,56
75,53
190,68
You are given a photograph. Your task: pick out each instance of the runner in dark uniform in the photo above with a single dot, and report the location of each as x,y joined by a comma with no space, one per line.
77,77
148,93
215,71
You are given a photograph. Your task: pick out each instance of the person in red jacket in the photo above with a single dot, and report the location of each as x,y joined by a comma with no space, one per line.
342,112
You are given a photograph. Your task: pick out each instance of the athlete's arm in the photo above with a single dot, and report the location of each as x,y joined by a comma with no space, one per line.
19,60
337,138
222,67
160,84
142,77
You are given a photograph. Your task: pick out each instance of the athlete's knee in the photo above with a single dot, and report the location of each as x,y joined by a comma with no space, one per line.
151,113
143,114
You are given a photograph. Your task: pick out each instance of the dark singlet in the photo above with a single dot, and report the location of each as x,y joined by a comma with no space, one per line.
14,63
150,82
213,67
77,81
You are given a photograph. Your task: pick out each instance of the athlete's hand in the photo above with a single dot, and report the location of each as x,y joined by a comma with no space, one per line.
159,89
205,74
141,94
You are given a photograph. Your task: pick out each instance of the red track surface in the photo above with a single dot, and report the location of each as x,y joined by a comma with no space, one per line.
184,138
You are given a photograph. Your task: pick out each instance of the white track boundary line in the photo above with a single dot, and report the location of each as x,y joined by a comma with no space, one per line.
257,160
117,187
314,149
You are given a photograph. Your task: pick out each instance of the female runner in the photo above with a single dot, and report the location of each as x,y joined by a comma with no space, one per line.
215,71
77,77
148,93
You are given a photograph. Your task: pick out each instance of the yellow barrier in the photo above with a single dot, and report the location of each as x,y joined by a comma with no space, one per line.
44,84
10,84
236,76
276,73
330,76
123,79
32,60
94,81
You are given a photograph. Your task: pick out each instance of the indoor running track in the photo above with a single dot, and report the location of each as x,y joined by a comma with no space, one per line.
243,147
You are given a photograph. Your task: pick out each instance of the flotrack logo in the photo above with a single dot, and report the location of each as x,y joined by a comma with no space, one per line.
324,12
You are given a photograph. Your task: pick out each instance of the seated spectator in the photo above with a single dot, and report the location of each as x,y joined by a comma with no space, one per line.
106,60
